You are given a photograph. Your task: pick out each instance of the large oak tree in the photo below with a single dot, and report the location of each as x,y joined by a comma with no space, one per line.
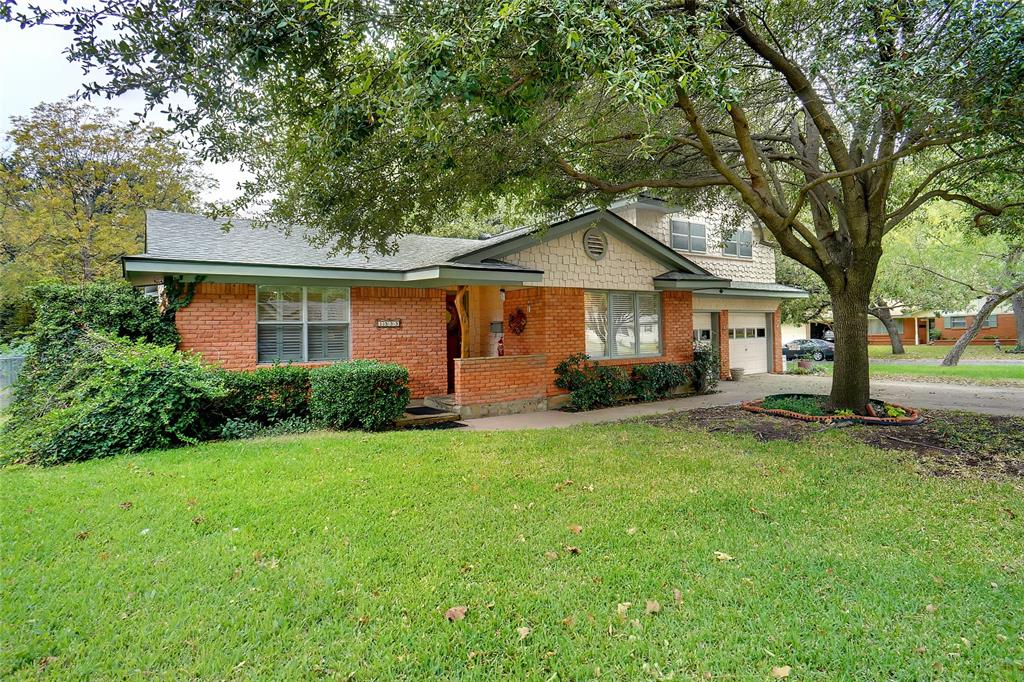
366,118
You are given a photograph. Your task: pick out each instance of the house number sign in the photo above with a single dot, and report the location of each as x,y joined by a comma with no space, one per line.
389,324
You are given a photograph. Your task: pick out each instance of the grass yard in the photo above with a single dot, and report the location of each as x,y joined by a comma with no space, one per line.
980,352
629,551
1000,373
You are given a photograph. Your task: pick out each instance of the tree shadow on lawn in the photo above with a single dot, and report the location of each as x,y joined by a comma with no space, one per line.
947,443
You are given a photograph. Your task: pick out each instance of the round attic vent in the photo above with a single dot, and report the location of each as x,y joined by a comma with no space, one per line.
595,243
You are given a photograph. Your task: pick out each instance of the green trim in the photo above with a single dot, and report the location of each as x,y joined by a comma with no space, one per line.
141,268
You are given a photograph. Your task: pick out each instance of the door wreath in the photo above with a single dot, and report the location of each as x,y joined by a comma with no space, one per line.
517,321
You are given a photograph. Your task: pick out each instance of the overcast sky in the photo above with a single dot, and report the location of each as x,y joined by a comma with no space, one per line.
35,70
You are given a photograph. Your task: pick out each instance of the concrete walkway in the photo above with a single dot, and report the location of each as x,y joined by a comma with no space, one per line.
984,399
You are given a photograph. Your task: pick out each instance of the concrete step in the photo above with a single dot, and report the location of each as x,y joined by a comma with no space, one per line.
440,402
425,416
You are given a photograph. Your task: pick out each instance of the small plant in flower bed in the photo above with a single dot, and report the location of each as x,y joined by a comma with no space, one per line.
813,405
657,381
590,384
235,429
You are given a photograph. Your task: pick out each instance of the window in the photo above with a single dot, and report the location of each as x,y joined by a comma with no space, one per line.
688,236
750,333
875,326
740,244
990,322
301,324
622,323
701,334
956,322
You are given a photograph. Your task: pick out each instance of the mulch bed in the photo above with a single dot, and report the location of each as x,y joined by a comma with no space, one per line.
945,443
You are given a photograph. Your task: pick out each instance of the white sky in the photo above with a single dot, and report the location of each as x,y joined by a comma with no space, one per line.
33,69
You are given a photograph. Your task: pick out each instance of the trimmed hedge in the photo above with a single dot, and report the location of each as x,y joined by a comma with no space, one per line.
264,396
363,394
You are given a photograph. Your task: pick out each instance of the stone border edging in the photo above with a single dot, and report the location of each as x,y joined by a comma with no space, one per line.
911,418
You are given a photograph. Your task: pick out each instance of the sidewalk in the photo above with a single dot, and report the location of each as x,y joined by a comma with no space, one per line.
984,399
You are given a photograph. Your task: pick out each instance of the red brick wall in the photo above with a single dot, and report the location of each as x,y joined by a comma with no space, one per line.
555,327
906,333
419,344
220,323
778,366
1005,329
480,381
723,344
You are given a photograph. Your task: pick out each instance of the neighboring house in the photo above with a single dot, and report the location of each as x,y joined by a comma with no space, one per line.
948,326
598,283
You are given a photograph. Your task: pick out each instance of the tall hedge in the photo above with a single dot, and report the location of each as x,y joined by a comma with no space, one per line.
118,396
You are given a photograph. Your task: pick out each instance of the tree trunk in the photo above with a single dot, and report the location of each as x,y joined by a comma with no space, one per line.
851,382
1018,315
953,356
895,334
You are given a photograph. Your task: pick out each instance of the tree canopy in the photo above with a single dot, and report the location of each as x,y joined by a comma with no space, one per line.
75,183
371,118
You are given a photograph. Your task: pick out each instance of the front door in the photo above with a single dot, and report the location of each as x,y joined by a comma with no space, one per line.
922,330
451,315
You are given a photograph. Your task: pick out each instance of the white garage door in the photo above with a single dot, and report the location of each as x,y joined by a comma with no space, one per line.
748,342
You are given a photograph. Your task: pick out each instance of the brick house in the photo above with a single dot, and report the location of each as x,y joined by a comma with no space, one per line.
916,327
480,324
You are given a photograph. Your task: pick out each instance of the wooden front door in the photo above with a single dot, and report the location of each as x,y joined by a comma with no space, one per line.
454,338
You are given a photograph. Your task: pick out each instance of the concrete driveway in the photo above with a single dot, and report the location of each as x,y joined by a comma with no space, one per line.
984,399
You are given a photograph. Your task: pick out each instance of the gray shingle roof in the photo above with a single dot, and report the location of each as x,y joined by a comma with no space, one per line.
183,236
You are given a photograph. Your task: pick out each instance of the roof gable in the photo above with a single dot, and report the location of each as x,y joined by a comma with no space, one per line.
519,240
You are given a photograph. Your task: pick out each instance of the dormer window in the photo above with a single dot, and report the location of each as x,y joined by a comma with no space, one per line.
740,244
689,236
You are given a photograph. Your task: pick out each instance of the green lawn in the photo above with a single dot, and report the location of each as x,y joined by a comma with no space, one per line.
1004,372
337,555
985,352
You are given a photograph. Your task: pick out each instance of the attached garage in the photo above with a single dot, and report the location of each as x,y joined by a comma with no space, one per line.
749,341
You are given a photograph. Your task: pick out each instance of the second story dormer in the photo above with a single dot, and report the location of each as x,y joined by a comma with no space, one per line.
705,238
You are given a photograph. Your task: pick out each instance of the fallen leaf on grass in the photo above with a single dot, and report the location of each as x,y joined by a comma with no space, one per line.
198,520
678,596
551,555
589,487
631,531
456,613
572,550
524,632
575,529
568,621
652,606
45,661
762,514
931,608
781,671
722,556
125,505
622,608
81,535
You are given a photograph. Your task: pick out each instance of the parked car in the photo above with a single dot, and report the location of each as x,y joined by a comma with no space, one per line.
816,349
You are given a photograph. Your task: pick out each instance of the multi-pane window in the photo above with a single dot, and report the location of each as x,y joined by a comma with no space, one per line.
689,236
740,243
990,322
301,324
956,322
622,323
747,333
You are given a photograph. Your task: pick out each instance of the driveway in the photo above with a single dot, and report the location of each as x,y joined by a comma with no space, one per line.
985,399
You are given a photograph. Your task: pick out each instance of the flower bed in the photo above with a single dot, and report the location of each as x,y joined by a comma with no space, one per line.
810,408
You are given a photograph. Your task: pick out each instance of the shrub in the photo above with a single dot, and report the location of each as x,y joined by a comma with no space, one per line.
119,396
590,384
704,370
362,394
801,404
656,381
234,429
264,396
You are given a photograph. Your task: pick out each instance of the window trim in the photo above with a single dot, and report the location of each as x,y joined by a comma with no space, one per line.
733,240
689,235
305,324
947,322
993,318
609,335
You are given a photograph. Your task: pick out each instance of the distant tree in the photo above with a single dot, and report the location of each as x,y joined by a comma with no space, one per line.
366,117
74,185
